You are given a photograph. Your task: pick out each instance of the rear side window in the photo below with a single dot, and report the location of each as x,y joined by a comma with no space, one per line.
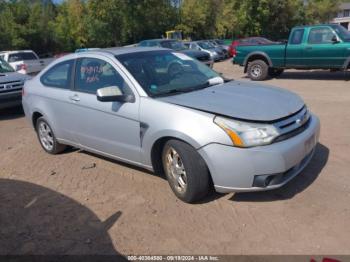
322,35
59,75
21,57
297,37
92,74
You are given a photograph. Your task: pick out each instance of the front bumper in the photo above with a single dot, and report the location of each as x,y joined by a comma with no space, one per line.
10,99
218,57
238,169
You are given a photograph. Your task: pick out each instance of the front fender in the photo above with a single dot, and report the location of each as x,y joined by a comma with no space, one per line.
166,120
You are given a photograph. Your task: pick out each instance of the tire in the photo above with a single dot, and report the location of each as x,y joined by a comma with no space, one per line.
47,138
190,182
274,72
257,70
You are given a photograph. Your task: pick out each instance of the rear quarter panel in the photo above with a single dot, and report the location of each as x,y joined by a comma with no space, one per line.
276,53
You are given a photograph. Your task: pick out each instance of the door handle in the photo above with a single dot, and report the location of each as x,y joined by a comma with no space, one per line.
74,98
308,48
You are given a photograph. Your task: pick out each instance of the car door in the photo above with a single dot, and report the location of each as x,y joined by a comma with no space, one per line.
321,51
111,128
56,90
294,49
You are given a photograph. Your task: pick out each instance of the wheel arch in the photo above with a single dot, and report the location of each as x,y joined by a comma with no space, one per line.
257,56
35,116
347,63
157,145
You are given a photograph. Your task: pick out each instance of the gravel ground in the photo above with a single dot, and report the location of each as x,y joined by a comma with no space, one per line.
79,203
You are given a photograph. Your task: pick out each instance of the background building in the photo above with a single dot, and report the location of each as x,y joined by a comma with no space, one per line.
343,17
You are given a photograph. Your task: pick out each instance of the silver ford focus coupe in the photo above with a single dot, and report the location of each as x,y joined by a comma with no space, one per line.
166,112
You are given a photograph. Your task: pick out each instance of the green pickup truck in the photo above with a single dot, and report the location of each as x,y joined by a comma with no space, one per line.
308,47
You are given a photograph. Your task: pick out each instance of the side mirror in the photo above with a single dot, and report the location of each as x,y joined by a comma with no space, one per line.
113,94
335,39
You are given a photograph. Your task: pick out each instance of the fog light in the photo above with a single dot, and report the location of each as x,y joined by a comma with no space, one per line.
262,180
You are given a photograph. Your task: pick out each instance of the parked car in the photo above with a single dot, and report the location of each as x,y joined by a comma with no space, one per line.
248,41
215,53
308,47
176,45
25,61
221,45
166,112
11,84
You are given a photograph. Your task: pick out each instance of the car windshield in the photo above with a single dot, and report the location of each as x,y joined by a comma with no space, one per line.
205,45
175,45
162,72
5,67
342,32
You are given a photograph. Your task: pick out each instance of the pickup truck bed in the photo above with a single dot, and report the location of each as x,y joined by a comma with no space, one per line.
308,47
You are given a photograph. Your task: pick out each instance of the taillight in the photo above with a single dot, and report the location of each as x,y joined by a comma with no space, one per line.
234,51
21,67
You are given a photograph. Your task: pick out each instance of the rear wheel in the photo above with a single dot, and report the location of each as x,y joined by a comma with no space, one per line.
186,171
47,138
274,72
257,70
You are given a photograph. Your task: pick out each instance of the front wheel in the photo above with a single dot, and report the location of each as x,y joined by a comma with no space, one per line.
186,171
258,70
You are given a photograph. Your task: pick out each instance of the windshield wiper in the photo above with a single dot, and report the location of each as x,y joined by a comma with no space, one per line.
211,82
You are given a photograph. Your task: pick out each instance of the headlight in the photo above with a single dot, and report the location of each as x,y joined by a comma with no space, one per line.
244,134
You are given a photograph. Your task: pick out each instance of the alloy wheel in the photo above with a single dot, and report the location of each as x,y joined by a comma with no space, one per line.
46,136
175,170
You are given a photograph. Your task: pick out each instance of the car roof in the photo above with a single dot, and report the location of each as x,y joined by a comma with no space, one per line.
128,50
308,26
112,51
116,51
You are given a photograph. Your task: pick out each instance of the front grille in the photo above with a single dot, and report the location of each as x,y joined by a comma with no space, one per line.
11,86
292,126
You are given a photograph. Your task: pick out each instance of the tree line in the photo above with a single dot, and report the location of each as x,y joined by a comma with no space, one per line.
49,27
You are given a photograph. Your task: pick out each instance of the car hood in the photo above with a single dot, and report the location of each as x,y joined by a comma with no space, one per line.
194,53
12,76
241,100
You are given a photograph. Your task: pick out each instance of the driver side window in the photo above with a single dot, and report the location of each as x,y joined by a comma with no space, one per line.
322,35
93,74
